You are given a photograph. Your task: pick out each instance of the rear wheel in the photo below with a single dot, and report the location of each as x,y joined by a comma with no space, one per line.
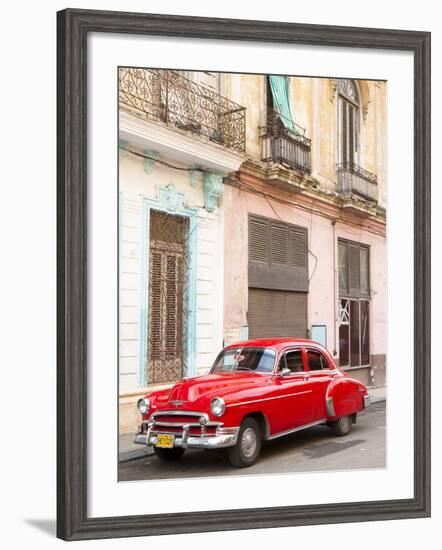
248,445
168,455
341,426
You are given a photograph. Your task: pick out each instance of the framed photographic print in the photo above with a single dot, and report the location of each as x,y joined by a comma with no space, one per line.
243,274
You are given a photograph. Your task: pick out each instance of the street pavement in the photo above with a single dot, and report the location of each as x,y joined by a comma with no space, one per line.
314,449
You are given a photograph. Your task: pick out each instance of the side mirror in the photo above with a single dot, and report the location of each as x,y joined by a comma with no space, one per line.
285,372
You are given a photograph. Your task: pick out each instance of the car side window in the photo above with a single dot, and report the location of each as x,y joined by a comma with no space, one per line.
316,361
294,361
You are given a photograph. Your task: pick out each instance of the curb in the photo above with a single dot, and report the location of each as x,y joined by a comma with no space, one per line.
143,452
375,400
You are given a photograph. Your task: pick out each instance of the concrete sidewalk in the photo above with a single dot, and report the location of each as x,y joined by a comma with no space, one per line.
378,394
129,451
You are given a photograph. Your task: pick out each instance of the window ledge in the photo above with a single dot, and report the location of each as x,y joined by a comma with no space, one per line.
356,368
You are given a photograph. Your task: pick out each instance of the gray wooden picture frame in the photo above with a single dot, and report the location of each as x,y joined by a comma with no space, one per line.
72,235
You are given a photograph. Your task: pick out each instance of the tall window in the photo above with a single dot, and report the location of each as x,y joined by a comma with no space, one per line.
348,106
354,303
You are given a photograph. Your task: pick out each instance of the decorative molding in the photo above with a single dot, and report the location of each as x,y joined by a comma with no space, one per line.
364,91
213,188
149,163
123,147
348,89
170,199
333,85
177,145
195,175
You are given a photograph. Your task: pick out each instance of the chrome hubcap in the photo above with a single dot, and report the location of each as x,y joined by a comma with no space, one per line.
248,442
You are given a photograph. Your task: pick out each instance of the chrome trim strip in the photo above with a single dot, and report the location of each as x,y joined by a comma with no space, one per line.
175,412
267,399
182,424
191,442
330,406
287,432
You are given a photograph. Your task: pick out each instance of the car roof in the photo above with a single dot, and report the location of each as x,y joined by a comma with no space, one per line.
275,343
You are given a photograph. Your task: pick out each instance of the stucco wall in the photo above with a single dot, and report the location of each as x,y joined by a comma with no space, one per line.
314,107
135,186
322,309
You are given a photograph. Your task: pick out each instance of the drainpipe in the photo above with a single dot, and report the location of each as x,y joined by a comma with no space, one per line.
335,299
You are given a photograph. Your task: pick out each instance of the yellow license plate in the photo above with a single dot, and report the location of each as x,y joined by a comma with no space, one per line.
165,441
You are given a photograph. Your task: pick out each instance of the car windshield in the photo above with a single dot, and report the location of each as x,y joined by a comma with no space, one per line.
247,359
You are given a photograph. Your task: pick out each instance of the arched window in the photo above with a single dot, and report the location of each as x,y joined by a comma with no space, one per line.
348,109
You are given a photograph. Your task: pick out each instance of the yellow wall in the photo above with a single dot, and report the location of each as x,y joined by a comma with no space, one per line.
314,107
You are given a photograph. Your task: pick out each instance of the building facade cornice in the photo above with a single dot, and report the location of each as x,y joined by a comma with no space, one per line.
290,187
176,144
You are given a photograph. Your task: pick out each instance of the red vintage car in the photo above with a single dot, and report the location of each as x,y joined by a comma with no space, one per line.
256,391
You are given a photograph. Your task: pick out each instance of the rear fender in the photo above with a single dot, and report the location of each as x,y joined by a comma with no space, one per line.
345,396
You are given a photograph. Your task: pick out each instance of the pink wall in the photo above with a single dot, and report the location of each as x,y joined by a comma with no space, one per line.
322,254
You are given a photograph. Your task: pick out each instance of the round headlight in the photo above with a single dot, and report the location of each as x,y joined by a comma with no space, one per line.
217,406
143,405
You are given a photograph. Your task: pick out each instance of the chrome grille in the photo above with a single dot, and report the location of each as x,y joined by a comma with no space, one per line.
177,422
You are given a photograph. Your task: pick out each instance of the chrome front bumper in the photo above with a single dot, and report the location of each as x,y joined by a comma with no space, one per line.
218,441
367,401
223,437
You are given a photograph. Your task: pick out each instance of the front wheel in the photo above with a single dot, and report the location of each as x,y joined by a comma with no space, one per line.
169,455
341,426
248,445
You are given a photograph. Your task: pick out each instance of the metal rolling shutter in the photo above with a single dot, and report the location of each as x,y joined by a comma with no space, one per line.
274,313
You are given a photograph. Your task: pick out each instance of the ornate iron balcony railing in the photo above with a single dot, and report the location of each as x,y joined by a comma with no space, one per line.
283,141
351,178
177,101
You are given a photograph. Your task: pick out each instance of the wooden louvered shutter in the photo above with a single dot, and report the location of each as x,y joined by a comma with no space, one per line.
298,248
174,309
354,270
279,244
155,277
259,240
166,314
277,255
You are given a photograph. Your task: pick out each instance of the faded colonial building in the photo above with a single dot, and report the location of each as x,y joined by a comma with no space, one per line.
250,206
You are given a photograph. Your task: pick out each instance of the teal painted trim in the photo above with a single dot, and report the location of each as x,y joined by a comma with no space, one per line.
191,298
149,163
145,227
213,189
170,201
123,147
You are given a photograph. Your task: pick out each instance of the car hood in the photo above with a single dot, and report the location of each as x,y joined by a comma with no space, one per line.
195,391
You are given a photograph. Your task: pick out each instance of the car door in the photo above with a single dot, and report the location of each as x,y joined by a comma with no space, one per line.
320,375
294,391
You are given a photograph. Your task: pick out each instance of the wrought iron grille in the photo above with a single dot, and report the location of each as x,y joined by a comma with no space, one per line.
168,311
284,141
354,179
169,97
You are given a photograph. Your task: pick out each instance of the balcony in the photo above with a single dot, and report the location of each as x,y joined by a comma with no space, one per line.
283,141
169,97
354,180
